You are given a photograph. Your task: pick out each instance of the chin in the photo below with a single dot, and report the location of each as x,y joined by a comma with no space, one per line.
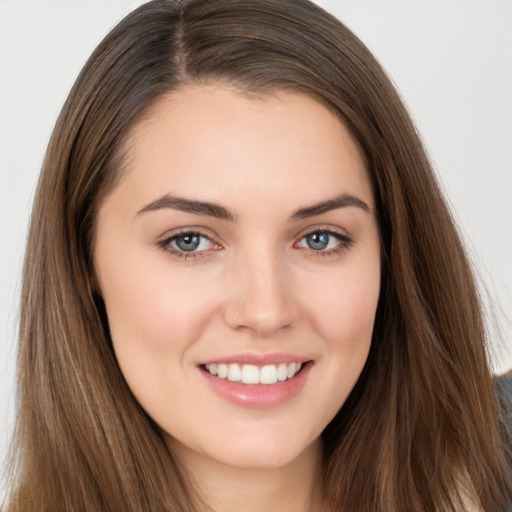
269,453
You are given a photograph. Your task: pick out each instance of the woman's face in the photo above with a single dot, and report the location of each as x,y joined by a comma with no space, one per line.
241,242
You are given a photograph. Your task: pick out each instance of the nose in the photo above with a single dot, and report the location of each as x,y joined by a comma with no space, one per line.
261,299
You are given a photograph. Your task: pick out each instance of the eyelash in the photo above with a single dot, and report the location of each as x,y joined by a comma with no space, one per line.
165,244
345,242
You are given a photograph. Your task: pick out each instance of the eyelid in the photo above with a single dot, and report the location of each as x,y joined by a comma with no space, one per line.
323,228
345,240
163,242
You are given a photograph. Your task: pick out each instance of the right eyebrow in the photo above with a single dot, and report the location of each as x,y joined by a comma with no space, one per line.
189,206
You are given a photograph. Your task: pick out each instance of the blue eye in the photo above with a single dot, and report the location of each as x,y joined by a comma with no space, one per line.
318,241
187,243
325,241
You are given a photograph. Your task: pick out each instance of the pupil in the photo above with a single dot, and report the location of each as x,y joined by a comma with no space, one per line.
188,242
317,241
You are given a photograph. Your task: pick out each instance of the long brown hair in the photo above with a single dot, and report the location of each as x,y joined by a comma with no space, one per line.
421,428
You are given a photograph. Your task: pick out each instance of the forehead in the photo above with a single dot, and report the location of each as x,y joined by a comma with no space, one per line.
206,140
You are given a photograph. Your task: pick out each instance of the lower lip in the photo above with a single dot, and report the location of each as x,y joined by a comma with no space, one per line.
258,395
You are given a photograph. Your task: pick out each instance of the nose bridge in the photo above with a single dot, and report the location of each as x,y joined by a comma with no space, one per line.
260,299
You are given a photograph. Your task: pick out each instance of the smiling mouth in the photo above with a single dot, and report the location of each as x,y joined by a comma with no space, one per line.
252,374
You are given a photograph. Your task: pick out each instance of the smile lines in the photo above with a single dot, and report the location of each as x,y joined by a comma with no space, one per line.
251,374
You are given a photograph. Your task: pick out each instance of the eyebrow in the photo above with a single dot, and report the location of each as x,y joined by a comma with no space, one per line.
220,212
342,201
190,206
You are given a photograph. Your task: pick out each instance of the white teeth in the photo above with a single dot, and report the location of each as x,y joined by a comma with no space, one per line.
252,374
222,371
234,373
212,368
293,368
268,374
282,372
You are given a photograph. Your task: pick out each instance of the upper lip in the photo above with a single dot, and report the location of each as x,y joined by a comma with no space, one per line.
257,359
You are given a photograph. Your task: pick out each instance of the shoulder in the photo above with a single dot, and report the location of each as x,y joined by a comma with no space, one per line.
503,386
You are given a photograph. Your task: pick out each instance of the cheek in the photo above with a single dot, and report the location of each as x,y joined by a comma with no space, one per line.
150,308
344,308
343,311
155,316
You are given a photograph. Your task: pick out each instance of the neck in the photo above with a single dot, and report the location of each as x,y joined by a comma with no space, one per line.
295,487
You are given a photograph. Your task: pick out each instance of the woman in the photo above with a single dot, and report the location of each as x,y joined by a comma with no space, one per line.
243,288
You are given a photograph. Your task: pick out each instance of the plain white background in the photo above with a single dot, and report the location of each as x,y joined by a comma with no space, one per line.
450,59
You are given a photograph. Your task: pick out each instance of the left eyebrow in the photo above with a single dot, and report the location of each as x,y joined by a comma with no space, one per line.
343,201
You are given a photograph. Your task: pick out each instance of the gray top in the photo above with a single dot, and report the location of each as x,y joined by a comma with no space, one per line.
504,391
503,385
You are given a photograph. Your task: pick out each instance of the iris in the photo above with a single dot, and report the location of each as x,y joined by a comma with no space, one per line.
188,243
317,241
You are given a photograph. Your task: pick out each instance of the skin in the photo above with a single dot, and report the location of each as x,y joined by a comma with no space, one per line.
254,286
